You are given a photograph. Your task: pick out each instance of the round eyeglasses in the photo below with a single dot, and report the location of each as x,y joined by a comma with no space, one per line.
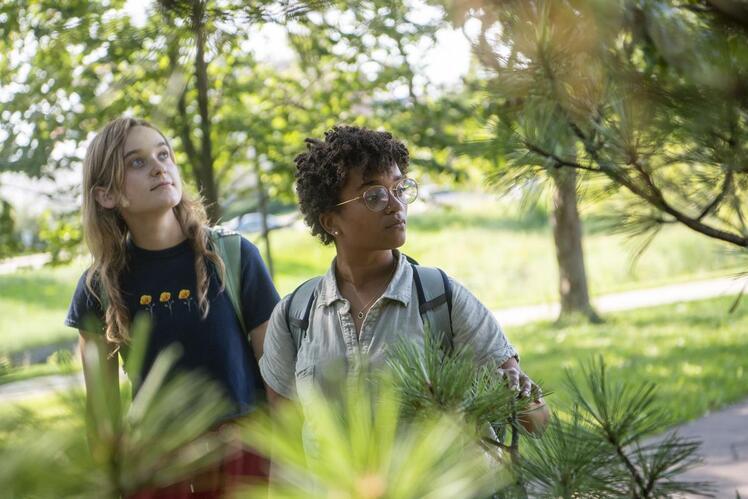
377,197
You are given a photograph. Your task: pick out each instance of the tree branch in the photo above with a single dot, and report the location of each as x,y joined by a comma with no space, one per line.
184,135
659,202
719,197
559,161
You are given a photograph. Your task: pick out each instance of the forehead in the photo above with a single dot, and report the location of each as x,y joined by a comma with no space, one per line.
139,137
358,177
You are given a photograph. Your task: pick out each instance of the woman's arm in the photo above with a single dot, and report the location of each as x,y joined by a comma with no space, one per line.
278,360
276,399
257,339
476,327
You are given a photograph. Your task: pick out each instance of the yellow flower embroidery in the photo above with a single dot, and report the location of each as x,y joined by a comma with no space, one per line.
184,294
165,296
145,299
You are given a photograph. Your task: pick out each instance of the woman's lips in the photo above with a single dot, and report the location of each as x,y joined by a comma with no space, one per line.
162,184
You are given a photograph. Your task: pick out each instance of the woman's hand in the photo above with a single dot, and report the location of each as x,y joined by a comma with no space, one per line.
537,415
517,380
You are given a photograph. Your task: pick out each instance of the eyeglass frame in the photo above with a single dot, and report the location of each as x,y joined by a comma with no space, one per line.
389,193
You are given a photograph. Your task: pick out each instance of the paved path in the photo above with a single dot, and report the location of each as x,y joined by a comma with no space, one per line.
34,261
724,433
689,291
724,437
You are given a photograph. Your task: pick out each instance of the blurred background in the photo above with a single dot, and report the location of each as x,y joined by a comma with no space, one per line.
569,153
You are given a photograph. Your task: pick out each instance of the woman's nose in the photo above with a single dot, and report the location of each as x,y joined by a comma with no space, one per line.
158,167
393,203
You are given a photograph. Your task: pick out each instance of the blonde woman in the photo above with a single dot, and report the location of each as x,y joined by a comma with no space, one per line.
151,255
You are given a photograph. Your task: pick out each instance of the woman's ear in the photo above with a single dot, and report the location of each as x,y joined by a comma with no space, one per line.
104,198
327,220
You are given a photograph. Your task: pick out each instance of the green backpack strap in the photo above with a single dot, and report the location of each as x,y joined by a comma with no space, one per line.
435,302
228,244
299,308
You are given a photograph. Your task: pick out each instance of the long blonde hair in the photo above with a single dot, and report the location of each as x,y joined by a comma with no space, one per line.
106,233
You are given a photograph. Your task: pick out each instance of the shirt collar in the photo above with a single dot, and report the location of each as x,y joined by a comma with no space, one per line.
399,288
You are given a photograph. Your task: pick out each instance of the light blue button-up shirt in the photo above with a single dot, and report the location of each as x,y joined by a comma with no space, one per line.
332,342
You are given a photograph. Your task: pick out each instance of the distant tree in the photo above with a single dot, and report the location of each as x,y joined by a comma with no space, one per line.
9,242
69,69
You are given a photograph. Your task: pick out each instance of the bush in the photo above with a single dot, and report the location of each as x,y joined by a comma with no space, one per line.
61,235
9,242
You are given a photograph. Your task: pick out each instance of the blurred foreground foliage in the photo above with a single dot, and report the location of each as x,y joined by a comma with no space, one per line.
414,429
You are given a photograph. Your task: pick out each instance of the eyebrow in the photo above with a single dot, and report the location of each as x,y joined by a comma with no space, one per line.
367,183
134,151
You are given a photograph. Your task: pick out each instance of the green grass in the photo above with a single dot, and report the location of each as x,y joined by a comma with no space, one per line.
33,305
510,260
696,353
36,370
504,258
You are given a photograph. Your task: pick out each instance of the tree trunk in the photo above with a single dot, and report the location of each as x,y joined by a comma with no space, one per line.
206,179
263,206
567,236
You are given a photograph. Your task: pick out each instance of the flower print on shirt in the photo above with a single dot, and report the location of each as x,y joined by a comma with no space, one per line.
186,297
165,298
147,302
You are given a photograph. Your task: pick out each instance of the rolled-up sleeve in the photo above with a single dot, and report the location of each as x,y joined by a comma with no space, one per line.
278,362
476,328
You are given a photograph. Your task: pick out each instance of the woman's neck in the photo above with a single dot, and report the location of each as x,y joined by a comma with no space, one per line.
156,233
364,269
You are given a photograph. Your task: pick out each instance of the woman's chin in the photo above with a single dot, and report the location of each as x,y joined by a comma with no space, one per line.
397,242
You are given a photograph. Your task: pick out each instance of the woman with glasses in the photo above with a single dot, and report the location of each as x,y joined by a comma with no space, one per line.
354,193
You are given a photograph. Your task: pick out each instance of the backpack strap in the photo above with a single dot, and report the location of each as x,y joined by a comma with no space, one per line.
298,309
435,302
228,245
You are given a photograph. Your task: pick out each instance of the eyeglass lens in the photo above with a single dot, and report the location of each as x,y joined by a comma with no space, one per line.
377,198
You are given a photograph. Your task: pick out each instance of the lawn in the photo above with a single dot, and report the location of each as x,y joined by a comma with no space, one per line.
696,353
505,258
33,305
509,259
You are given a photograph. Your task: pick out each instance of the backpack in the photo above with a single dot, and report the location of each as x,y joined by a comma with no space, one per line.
434,304
228,245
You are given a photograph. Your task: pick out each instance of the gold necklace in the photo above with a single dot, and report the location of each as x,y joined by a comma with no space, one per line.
360,314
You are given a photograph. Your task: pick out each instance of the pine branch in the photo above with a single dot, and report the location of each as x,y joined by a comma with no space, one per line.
719,197
431,381
558,162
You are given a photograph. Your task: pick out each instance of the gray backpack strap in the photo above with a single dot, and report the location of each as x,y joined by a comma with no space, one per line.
228,245
299,308
435,302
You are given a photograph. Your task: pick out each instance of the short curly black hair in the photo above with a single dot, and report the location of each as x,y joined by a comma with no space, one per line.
322,171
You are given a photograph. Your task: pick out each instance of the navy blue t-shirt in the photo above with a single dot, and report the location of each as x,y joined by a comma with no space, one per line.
163,284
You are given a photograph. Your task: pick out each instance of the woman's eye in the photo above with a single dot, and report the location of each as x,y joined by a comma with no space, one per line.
163,155
137,163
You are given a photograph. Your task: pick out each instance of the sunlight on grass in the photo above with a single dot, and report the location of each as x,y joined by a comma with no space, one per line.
695,352
508,259
504,257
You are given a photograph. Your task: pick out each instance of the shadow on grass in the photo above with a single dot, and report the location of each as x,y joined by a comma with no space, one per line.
695,353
